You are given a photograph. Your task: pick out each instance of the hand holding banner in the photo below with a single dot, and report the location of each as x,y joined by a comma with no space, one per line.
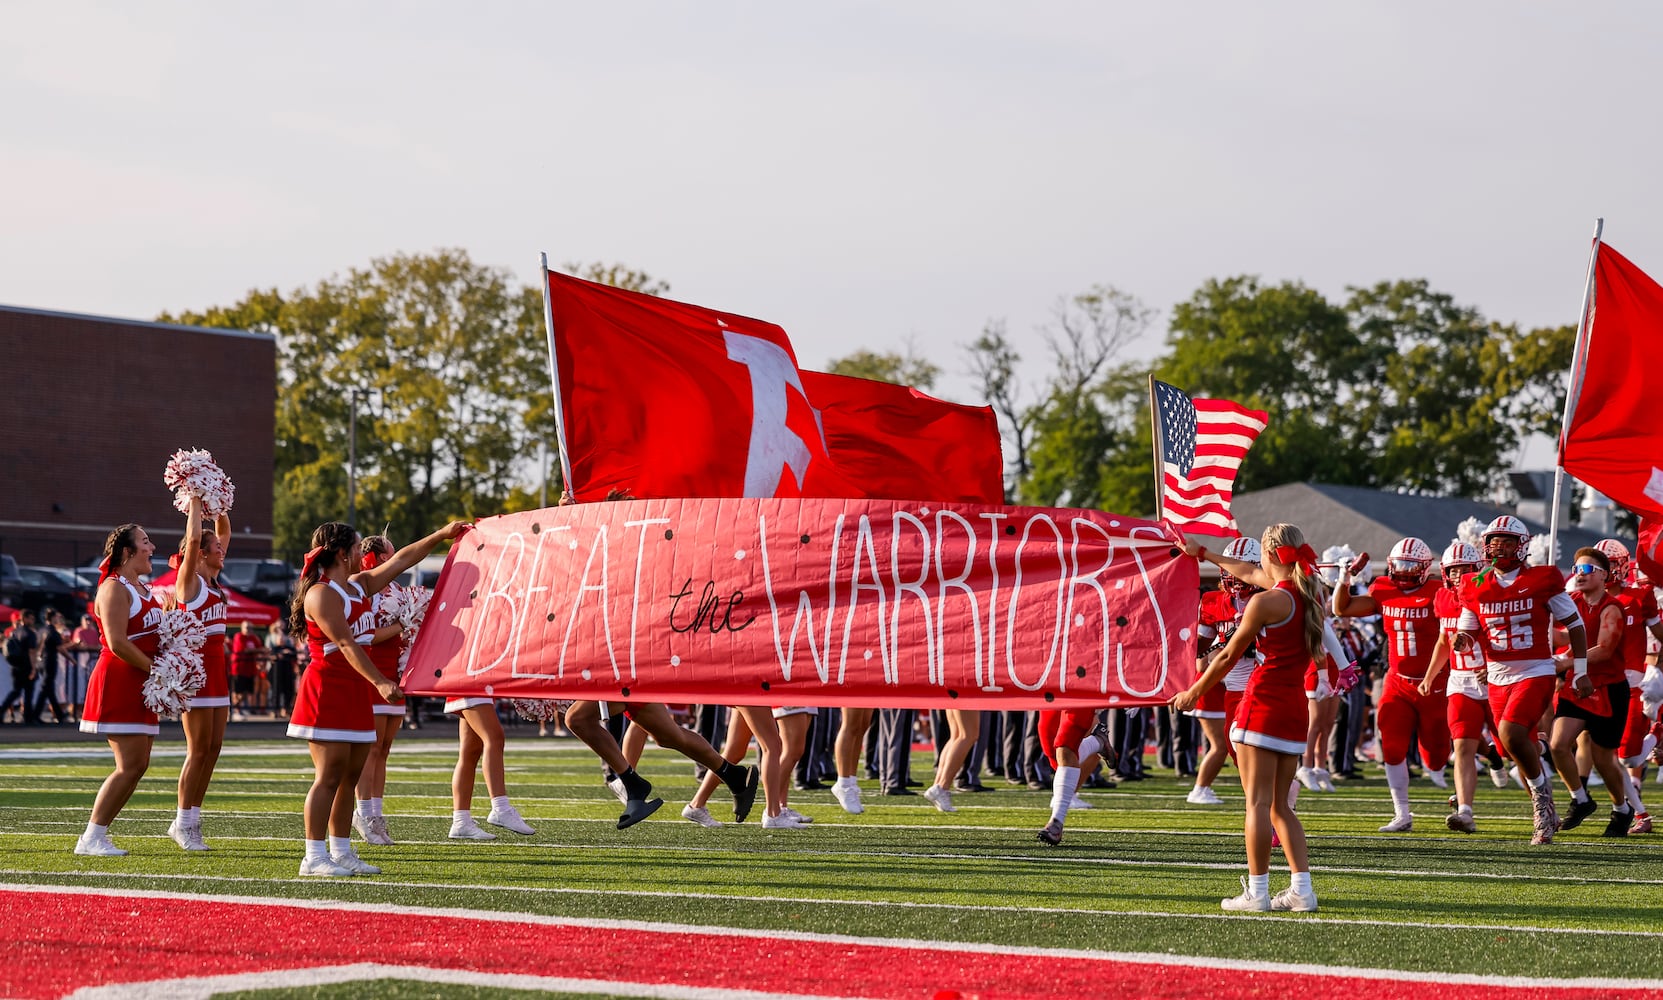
813,602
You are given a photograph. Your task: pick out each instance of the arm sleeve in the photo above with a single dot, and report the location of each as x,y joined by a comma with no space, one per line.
1563,608
1331,643
1468,621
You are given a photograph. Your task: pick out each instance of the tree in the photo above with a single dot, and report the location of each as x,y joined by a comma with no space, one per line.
908,368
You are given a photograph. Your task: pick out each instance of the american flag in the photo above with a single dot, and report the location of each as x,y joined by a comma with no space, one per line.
1201,444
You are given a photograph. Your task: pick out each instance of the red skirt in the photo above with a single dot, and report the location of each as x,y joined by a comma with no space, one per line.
333,706
115,700
216,690
1273,713
1211,705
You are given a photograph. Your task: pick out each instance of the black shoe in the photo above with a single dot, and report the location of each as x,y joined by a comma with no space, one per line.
1099,781
1050,834
1492,757
744,794
810,786
1621,820
636,810
1352,775
1578,812
899,791
1109,754
914,784
959,786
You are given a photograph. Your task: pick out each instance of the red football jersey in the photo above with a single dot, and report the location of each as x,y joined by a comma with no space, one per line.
1447,606
1515,619
1409,624
1606,671
1639,611
1219,618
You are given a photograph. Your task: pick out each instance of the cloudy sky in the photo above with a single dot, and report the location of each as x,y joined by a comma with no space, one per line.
858,172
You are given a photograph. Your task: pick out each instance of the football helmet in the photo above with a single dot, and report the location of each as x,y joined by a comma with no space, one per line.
1617,553
1459,560
1409,562
1247,550
1507,526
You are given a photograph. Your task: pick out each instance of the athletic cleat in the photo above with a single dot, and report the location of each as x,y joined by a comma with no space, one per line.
1246,901
189,838
1453,802
325,867
1401,824
509,819
98,847
1621,820
1499,777
1078,803
1051,833
1461,822
1291,900
941,798
848,796
1546,824
637,810
794,814
1107,753
378,834
1203,795
744,796
1579,812
467,829
354,864
1642,824
699,815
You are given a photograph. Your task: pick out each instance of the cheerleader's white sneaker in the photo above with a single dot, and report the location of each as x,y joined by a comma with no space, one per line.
98,847
509,819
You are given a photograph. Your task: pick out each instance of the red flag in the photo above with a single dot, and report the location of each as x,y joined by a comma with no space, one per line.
1614,441
894,442
1648,555
664,399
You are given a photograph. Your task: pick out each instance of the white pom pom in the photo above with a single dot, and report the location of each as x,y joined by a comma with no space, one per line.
1471,531
408,607
194,474
176,671
1539,555
539,709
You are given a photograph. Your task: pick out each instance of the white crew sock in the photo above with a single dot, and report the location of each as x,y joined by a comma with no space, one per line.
196,815
1541,779
340,845
316,850
500,803
1293,793
1062,792
1465,810
461,816
1397,779
1089,746
1301,882
1258,885
850,782
96,832
1633,794
366,808
375,806
1580,795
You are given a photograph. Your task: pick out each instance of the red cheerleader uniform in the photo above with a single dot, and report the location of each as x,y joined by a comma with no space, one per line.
385,657
115,692
333,703
209,608
1272,714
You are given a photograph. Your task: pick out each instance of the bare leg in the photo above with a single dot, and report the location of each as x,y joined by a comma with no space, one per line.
964,728
469,751
331,763
204,738
340,814
584,721
793,730
482,719
635,741
372,784
1218,751
738,742
132,759
1562,744
851,740
656,720
1466,771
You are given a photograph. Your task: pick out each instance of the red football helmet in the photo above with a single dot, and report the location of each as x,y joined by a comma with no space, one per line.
1617,553
1459,560
1500,530
1409,563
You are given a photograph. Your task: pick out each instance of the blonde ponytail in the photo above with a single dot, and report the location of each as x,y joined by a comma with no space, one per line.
1310,586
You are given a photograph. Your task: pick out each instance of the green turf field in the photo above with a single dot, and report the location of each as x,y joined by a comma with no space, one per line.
1142,871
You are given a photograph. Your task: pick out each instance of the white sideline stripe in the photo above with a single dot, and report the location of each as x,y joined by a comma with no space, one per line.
916,944
207,987
722,897
288,748
1036,858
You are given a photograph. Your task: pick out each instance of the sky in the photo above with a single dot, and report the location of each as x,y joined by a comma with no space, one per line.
863,174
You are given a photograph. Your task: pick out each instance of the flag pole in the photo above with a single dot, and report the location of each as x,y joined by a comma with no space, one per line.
1579,357
1155,443
554,382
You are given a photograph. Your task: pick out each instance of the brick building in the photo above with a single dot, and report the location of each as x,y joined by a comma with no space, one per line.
90,411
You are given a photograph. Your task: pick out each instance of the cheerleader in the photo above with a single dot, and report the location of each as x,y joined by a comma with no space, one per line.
127,617
333,709
386,646
481,738
196,589
1286,622
743,723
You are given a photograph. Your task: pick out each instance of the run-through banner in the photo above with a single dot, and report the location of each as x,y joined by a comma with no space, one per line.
812,602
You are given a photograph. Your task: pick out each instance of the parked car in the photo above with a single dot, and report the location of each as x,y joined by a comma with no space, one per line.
268,580
45,587
11,582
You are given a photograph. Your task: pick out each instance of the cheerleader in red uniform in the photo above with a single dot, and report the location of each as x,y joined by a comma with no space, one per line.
333,706
1286,624
127,616
384,649
196,589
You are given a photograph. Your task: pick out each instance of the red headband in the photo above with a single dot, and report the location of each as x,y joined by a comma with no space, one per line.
173,561
311,557
104,570
370,560
1304,557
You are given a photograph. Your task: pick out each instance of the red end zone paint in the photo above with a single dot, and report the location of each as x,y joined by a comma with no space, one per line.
60,942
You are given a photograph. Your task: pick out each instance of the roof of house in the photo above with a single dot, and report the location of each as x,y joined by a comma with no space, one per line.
1372,521
220,331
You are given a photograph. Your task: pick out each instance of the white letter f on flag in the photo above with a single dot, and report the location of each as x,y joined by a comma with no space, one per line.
774,446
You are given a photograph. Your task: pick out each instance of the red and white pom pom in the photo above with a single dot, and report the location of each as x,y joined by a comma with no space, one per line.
539,709
176,671
194,474
408,607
